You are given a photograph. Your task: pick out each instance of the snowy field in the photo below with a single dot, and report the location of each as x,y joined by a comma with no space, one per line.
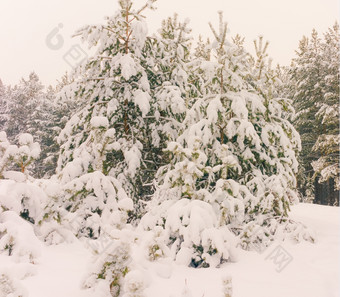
282,270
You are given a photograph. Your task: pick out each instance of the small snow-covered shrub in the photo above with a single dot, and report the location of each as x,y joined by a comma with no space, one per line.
186,292
86,206
95,200
27,199
113,273
154,243
19,192
6,286
193,233
227,287
258,235
254,236
28,151
18,157
54,224
134,284
17,238
10,287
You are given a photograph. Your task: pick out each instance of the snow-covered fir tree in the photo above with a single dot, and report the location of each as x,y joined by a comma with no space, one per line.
314,83
306,74
52,112
45,132
108,139
233,165
22,104
327,144
55,109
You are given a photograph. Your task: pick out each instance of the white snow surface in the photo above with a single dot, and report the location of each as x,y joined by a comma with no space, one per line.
312,269
97,122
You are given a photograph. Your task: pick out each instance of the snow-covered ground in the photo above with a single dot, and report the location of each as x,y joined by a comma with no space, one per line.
282,270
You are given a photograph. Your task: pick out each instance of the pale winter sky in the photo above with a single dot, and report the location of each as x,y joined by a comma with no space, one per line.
25,25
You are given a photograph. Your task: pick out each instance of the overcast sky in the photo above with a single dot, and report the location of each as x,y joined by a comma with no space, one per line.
25,25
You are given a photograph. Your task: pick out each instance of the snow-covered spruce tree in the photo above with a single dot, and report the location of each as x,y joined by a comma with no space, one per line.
314,80
22,103
327,144
54,109
280,146
45,132
102,152
287,89
306,74
232,167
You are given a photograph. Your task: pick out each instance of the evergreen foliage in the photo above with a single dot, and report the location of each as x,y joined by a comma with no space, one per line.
315,88
184,153
233,162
